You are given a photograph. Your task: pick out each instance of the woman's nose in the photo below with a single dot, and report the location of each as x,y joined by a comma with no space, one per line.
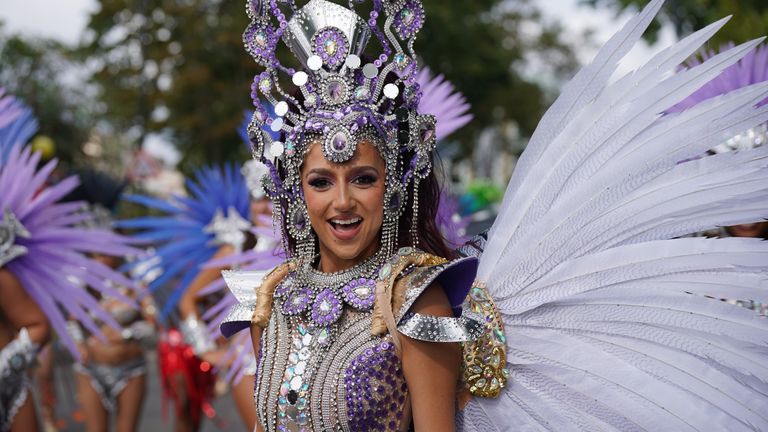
343,201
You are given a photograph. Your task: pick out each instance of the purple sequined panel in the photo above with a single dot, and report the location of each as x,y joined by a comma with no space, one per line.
376,390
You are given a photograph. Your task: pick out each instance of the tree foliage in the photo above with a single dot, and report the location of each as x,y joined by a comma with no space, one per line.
180,66
750,17
33,69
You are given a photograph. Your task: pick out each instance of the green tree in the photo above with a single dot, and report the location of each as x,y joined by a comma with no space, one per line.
180,67
482,46
39,72
750,17
171,66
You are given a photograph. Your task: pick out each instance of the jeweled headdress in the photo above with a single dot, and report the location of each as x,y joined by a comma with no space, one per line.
338,98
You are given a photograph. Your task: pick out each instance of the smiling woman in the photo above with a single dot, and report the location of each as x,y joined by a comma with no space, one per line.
347,329
584,296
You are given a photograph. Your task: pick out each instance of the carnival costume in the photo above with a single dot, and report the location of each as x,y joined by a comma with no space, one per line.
585,313
43,245
443,102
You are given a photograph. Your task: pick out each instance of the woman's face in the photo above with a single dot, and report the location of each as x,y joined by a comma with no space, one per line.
345,203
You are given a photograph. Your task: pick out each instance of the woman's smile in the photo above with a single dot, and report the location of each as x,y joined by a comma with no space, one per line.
346,227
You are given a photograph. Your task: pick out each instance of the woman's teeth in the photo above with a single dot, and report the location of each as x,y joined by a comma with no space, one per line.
346,222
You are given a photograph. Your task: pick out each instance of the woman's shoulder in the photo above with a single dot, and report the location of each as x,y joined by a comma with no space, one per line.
420,284
417,271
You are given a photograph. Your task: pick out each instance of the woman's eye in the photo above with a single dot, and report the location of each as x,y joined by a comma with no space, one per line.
365,180
319,183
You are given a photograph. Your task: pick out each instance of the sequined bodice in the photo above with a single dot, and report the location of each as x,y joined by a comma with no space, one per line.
326,360
338,377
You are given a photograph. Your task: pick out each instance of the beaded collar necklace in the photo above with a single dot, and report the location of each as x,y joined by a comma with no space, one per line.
322,295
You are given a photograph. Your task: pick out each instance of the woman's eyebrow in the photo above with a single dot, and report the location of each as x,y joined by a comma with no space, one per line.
319,171
330,173
363,168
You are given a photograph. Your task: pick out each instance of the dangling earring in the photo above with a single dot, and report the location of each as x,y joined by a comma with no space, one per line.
393,209
415,214
300,229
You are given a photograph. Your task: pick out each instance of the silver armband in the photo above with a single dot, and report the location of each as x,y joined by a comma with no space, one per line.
441,329
196,336
19,355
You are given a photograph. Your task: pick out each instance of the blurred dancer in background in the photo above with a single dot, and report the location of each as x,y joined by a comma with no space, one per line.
111,372
43,255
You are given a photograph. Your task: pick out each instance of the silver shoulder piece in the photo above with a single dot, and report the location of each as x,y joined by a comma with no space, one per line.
243,285
430,328
455,276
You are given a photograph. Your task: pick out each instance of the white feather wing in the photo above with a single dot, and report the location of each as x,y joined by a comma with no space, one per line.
610,320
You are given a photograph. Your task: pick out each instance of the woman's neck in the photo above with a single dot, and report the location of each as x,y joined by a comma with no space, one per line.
332,263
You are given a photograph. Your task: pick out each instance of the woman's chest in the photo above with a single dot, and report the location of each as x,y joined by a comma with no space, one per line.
336,377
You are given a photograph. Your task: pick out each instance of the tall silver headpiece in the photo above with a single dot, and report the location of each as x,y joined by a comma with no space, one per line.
337,98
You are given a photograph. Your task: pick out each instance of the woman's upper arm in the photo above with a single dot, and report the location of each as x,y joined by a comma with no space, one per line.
432,369
20,310
204,277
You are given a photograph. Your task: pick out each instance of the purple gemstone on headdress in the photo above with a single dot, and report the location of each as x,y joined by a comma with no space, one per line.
335,91
410,19
299,220
360,293
340,142
326,308
395,201
259,39
407,16
297,301
331,45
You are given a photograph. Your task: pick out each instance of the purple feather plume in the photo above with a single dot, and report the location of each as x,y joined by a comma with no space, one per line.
441,99
55,268
751,69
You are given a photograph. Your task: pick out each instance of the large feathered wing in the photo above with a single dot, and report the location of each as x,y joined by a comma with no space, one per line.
608,321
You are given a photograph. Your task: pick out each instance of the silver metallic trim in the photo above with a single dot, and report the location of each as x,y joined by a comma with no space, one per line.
430,328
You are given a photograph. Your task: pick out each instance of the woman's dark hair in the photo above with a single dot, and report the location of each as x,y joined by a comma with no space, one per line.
429,237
